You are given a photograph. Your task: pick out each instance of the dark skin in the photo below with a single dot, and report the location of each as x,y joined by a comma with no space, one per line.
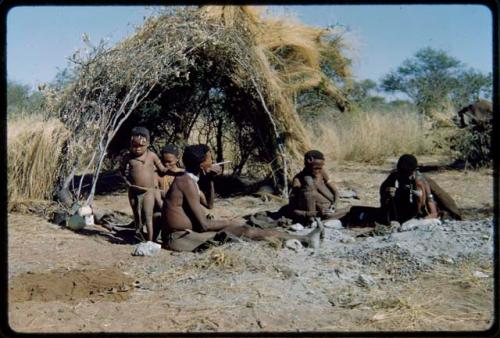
319,193
170,161
182,210
207,195
422,187
207,189
138,170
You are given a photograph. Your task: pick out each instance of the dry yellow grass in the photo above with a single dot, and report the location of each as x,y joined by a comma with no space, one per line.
457,299
220,258
372,136
33,147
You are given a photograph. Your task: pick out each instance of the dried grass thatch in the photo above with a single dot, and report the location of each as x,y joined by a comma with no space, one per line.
33,154
225,70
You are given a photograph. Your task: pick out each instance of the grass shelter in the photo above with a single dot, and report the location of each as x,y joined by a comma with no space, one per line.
227,76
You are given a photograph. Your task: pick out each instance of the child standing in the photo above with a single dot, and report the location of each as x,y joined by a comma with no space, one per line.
138,169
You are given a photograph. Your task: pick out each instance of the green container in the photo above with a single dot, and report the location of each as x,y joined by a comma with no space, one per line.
75,222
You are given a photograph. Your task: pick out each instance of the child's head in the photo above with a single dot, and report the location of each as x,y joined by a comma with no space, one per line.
314,161
139,140
170,156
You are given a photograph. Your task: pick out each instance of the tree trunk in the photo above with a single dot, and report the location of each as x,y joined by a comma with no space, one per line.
220,153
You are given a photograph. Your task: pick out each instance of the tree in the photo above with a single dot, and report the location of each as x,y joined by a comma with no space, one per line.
17,96
313,104
399,104
20,99
361,90
427,78
361,95
471,86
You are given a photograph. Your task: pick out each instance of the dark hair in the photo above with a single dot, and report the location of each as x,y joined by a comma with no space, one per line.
313,155
407,163
193,155
170,149
136,131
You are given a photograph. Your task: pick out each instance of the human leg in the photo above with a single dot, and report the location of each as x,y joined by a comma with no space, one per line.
134,204
256,234
148,208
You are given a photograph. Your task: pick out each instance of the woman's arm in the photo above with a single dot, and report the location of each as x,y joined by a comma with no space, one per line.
426,199
192,198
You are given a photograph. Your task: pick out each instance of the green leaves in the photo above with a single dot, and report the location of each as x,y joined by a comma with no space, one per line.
432,78
22,100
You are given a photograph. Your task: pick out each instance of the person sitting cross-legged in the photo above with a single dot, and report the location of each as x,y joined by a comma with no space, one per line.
313,194
185,226
404,195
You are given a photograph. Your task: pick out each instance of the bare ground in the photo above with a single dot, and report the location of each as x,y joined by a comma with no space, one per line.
431,278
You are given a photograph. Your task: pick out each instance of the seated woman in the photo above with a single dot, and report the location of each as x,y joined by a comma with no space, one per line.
404,194
184,224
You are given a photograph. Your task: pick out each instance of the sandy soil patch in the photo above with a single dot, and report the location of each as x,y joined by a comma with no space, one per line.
435,277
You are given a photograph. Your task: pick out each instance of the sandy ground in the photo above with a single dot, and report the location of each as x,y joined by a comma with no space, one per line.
434,277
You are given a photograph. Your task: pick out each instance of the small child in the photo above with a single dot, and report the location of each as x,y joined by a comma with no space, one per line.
170,159
313,193
138,169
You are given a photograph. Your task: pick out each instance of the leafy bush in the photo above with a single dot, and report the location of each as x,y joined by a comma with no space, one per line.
21,100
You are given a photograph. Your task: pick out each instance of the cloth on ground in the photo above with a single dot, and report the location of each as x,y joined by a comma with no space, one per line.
361,216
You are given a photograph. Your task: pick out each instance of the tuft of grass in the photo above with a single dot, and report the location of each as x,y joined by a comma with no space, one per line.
33,157
373,136
220,258
274,243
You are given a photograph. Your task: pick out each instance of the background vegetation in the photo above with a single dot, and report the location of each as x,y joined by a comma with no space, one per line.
431,86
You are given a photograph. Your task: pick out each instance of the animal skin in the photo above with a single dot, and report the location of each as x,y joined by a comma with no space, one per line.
476,115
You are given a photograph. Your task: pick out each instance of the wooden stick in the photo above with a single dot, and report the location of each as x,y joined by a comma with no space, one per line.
142,188
219,163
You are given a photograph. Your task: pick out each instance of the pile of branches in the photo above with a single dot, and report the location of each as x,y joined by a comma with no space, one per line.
223,74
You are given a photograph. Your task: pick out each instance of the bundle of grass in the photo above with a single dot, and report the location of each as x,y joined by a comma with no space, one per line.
224,71
33,156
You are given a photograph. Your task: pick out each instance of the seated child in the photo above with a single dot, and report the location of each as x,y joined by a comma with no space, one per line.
169,158
184,224
138,169
313,194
